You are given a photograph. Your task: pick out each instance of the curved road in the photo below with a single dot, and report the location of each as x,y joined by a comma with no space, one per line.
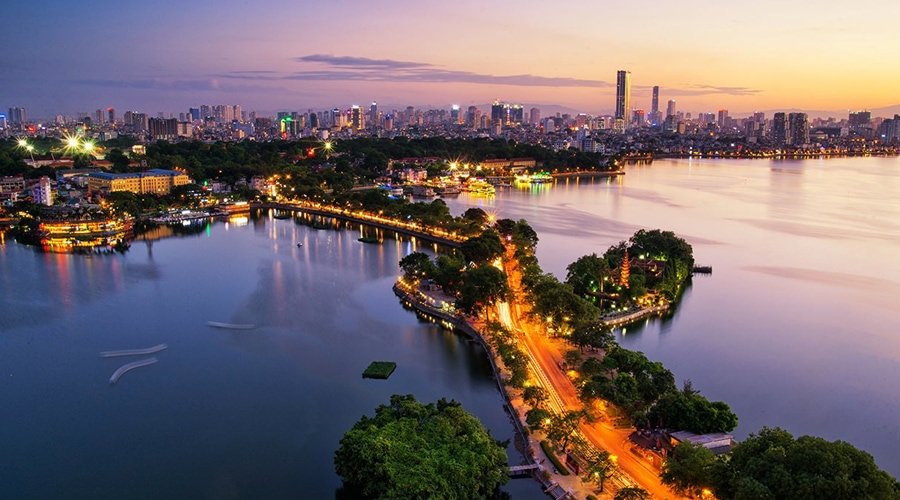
545,360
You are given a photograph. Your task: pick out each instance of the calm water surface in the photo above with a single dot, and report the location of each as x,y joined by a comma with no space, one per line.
799,324
250,414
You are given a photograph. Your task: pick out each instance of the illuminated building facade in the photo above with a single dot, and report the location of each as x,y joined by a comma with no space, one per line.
155,181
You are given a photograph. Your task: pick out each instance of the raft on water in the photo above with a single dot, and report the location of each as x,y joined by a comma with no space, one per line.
702,269
230,326
130,366
134,352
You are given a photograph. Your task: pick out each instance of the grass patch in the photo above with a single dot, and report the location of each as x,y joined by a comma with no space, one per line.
380,369
548,450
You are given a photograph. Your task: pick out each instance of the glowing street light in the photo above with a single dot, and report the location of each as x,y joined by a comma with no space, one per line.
22,143
88,146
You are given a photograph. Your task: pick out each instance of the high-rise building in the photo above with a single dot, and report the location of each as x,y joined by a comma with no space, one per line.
670,108
779,129
111,115
194,114
723,118
534,117
798,126
373,115
455,117
499,112
163,128
516,113
638,118
99,116
17,116
3,122
237,113
623,97
356,119
654,103
860,119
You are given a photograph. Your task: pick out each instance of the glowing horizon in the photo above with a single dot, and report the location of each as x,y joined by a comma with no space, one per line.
287,55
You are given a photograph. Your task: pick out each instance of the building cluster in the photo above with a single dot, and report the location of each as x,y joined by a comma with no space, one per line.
665,128
76,185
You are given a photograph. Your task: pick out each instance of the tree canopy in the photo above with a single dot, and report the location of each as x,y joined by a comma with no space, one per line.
414,450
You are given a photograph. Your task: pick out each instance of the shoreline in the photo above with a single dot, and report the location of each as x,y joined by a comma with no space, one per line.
521,433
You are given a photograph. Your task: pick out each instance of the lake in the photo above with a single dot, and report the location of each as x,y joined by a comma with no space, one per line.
223,414
799,324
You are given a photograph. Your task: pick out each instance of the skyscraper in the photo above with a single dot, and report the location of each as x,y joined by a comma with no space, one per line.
373,115
535,116
356,117
670,108
723,118
779,129
455,117
623,97
111,114
798,124
17,116
654,106
499,112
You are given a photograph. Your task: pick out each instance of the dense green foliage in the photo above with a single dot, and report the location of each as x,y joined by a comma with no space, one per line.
688,469
483,248
412,450
646,390
481,287
774,465
510,353
689,410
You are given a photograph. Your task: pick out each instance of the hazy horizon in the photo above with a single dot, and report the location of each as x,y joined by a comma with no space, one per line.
167,56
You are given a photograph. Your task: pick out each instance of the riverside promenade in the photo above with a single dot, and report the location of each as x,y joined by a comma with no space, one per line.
413,229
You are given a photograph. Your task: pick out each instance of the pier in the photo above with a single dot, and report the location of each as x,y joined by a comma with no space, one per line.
130,366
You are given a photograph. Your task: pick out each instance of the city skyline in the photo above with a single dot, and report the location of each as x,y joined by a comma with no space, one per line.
289,56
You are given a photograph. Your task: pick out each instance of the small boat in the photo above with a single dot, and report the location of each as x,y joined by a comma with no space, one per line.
230,326
299,244
369,239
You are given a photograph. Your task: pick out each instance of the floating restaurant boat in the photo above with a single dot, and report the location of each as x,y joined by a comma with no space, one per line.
480,187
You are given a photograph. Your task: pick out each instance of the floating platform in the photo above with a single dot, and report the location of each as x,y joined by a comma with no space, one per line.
380,369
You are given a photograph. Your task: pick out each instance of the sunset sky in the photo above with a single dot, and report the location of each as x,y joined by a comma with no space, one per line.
165,55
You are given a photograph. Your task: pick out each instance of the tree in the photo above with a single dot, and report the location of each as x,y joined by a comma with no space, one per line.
586,274
688,469
632,493
537,418
481,287
562,427
535,396
593,334
476,215
417,265
483,248
772,464
599,468
412,450
118,159
692,412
